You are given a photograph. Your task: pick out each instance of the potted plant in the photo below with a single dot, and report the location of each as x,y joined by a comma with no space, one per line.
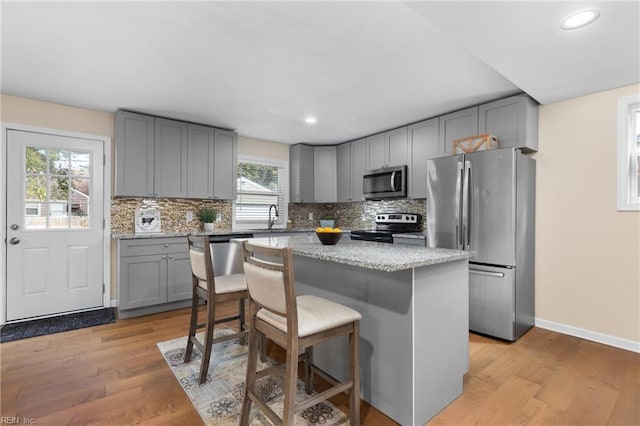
328,220
207,216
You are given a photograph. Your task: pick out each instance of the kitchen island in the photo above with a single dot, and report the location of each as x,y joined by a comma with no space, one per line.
415,318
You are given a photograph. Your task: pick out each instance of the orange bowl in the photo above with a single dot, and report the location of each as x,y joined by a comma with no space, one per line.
329,238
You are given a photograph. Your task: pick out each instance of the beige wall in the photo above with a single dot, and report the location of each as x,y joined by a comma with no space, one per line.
264,149
55,116
587,253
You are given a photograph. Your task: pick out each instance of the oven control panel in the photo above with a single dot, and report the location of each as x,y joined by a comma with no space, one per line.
398,218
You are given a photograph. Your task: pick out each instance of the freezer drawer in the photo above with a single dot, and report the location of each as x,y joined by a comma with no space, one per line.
492,301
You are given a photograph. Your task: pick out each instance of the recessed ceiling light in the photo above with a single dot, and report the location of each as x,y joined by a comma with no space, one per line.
310,120
579,19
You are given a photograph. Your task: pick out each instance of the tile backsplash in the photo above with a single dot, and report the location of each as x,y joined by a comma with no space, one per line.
173,213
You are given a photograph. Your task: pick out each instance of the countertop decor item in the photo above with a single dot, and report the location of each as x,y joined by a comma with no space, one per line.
147,218
328,220
329,238
207,216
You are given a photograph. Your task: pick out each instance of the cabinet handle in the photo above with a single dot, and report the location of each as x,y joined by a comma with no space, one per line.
166,245
170,257
164,257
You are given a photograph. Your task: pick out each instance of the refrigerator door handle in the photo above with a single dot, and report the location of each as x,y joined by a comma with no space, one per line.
459,234
466,207
486,273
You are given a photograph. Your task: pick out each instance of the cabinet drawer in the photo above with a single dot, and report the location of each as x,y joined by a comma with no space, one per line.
151,246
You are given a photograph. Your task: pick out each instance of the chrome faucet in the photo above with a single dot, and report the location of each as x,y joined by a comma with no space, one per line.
272,221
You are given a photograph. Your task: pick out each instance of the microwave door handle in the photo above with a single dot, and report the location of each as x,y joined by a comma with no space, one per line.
393,181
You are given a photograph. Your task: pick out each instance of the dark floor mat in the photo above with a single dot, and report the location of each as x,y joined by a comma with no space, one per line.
40,327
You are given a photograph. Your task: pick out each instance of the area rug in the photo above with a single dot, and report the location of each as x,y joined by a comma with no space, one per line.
42,326
219,399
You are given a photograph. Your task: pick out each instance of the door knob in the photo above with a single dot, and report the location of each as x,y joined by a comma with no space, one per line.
14,241
14,227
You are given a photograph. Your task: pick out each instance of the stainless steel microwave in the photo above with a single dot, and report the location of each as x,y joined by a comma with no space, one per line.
389,182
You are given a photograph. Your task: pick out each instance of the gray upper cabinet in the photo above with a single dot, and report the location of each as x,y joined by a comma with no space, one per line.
397,147
170,158
134,154
200,161
325,183
459,124
358,167
423,145
376,151
301,174
225,161
157,157
514,121
387,149
343,166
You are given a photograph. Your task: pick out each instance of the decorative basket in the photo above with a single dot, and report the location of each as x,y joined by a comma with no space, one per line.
475,143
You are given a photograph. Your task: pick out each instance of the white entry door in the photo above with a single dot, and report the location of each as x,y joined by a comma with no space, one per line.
54,224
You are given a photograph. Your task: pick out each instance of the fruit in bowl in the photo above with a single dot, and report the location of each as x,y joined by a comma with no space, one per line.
329,236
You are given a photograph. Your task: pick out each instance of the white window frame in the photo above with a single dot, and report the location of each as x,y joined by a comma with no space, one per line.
627,150
283,215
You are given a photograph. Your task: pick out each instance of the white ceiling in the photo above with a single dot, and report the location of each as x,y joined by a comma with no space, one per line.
359,67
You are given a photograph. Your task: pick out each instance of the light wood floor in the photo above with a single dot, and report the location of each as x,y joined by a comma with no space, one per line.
115,375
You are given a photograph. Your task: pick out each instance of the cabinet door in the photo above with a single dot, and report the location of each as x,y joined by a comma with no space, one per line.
513,120
179,286
396,147
358,166
343,164
459,124
376,152
134,154
143,281
200,161
423,143
170,158
225,161
325,174
301,173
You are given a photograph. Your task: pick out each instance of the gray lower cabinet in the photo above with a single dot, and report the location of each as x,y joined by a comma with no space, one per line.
301,173
423,145
153,274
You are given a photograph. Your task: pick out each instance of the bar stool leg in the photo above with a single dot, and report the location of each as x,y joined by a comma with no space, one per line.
208,336
252,367
354,370
192,326
290,383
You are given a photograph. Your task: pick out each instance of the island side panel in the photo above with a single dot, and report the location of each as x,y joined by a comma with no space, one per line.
386,358
441,336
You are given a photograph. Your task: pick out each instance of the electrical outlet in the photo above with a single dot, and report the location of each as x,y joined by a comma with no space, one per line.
363,218
189,216
310,215
219,218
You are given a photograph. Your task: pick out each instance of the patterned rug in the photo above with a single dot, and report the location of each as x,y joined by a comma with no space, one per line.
42,326
219,399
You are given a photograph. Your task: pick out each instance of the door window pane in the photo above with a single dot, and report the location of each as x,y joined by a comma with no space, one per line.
57,189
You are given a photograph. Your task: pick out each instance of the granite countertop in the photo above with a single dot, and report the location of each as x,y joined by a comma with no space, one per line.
130,236
366,254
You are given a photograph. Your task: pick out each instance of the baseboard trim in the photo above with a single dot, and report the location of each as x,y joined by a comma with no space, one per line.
594,336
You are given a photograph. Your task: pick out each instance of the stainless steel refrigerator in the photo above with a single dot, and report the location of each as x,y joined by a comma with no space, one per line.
485,202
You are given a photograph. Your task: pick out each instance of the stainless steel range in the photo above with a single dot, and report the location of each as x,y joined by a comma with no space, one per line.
388,224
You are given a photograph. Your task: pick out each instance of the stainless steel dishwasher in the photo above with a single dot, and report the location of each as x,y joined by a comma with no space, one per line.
228,256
